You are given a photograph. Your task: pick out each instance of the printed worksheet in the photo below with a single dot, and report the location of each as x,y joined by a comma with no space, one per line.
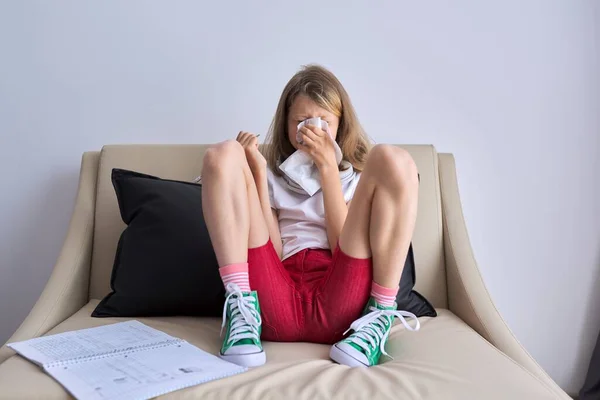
142,374
127,360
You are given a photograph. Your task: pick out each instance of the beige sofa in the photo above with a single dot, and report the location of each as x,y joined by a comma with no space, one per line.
467,352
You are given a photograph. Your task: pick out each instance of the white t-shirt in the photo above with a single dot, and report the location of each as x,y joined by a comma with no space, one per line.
302,217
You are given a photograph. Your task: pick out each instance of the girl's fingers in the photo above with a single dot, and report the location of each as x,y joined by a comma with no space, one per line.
247,139
238,138
307,141
315,129
309,133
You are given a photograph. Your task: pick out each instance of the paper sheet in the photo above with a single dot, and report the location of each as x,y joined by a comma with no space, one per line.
142,374
89,342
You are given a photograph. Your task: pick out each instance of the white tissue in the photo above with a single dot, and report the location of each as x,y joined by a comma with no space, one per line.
314,122
300,168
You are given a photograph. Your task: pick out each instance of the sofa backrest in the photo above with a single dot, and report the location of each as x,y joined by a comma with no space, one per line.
184,162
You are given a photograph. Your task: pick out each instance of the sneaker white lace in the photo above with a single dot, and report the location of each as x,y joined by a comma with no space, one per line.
245,319
372,329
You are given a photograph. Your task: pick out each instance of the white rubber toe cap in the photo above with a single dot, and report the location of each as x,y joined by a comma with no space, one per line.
246,360
243,349
345,354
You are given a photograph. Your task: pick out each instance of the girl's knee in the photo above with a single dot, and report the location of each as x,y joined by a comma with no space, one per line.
222,156
227,149
393,164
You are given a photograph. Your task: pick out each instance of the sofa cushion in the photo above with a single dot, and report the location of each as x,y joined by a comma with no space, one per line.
446,359
164,263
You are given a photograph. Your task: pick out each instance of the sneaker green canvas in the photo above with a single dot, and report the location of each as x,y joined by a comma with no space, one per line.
241,314
366,344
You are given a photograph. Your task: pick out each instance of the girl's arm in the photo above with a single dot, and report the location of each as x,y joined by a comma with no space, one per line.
269,214
318,144
336,208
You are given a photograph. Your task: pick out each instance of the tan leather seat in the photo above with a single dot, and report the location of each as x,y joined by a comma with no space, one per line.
445,357
467,352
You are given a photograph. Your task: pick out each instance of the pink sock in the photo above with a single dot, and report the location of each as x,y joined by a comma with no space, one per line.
384,296
236,274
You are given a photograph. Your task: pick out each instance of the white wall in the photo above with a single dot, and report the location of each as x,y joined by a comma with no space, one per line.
511,88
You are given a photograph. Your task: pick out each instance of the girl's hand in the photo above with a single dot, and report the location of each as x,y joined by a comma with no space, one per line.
256,160
319,146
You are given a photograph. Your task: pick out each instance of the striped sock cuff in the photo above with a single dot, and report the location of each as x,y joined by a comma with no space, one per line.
384,296
236,274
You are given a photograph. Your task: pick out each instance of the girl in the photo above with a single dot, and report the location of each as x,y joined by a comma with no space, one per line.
317,262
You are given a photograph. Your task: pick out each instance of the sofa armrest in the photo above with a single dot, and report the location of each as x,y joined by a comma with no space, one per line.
67,289
468,296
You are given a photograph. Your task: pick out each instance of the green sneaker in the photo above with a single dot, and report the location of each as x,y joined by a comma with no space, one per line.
366,344
241,313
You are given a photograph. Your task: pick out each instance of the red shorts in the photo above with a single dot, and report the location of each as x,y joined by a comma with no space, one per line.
311,296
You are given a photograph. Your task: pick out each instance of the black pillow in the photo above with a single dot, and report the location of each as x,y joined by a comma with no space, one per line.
409,299
165,264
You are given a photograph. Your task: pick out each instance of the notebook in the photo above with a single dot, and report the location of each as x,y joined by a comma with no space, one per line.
126,360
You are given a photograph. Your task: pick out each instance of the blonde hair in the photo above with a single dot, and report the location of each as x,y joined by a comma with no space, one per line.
322,87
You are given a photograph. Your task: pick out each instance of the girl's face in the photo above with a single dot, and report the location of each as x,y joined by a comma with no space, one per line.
303,108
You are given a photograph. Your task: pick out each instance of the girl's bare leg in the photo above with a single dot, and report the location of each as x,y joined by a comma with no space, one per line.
230,204
382,215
